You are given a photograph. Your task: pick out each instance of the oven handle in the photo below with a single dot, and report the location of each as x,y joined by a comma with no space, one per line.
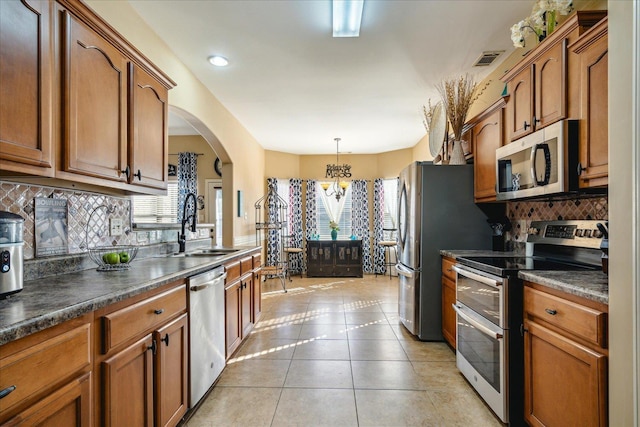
479,326
480,278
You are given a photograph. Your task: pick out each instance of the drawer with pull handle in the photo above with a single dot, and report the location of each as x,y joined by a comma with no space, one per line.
128,322
27,374
579,320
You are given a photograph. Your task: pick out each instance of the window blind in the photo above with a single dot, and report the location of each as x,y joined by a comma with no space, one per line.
157,209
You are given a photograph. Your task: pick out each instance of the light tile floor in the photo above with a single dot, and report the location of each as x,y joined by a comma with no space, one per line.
331,352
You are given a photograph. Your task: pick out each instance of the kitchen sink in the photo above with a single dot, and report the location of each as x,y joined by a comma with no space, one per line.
206,252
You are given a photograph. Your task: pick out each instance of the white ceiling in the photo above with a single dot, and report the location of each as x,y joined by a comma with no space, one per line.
295,87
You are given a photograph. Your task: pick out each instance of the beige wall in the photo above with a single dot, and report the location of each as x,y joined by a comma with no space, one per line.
195,144
363,166
281,165
232,141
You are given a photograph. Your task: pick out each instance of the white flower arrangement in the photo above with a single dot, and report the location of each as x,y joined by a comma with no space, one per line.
542,20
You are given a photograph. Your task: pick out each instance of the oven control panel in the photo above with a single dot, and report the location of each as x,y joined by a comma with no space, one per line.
581,233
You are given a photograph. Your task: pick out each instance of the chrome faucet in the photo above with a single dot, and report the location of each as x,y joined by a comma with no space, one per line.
182,238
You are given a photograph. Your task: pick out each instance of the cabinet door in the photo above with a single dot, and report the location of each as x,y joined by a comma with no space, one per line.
128,385
95,99
550,88
520,105
256,296
487,138
448,314
26,73
245,304
148,130
233,334
594,126
68,406
171,372
565,382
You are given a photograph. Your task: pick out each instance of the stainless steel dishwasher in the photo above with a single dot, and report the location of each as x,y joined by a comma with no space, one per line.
206,324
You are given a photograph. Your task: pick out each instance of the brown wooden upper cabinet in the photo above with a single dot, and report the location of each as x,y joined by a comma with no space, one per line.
26,74
592,52
95,112
148,148
487,135
540,87
111,101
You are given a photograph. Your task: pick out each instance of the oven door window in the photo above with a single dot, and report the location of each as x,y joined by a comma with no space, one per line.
481,296
480,345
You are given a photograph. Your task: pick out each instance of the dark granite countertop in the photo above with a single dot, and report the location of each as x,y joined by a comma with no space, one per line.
458,253
50,301
593,285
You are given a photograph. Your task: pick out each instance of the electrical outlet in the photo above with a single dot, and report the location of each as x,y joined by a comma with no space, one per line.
115,227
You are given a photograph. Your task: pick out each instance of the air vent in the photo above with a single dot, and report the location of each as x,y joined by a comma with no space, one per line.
487,58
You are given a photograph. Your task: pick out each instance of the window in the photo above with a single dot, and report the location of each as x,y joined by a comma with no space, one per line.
329,209
390,203
156,209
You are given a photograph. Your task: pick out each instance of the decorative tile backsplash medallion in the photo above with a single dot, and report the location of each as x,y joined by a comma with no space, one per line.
19,199
521,213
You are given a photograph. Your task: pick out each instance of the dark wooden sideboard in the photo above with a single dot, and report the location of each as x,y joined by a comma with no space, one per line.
334,258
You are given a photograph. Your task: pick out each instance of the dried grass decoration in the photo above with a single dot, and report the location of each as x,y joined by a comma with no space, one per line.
457,97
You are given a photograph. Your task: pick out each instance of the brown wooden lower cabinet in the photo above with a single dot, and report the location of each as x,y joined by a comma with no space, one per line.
68,406
171,373
256,290
42,375
144,370
565,369
246,317
448,299
128,385
242,300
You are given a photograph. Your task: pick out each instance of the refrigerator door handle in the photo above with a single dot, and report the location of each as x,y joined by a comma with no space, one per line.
404,271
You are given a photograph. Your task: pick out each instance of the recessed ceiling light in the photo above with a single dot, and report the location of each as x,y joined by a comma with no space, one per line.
218,61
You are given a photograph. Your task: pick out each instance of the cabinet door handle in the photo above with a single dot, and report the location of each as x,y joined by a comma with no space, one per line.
526,125
139,175
551,311
536,120
580,169
152,347
126,172
165,339
7,391
158,311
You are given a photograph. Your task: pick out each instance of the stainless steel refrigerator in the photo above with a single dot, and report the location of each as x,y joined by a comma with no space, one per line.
435,211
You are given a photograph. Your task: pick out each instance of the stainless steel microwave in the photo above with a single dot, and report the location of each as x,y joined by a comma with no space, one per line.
542,163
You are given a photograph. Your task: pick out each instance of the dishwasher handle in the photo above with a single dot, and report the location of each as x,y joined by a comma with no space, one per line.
203,286
207,278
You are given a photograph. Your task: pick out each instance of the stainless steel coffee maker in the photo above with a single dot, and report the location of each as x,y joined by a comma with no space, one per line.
11,257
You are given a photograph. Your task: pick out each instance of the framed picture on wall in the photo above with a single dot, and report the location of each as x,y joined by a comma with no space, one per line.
51,234
173,170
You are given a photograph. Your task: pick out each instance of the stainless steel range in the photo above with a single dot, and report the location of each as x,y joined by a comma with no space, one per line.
489,307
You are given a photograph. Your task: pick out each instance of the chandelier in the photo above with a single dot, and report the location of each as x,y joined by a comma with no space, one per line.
337,188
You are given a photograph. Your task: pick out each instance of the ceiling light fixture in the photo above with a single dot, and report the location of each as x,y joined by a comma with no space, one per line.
218,61
347,16
337,188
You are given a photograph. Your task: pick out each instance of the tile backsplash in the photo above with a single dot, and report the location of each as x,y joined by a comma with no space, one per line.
521,213
19,199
